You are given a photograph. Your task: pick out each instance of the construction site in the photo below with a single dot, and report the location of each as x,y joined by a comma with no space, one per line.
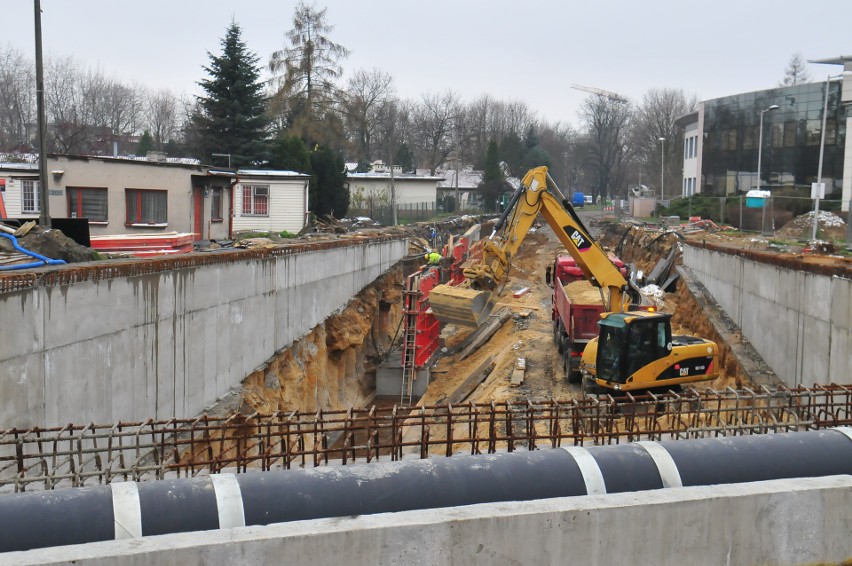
345,397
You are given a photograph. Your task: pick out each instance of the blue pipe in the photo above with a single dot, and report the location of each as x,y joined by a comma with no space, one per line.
42,260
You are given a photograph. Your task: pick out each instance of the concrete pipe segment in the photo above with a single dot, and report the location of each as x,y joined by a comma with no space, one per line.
132,510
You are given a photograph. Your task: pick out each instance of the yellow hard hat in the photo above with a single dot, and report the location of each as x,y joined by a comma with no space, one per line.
426,256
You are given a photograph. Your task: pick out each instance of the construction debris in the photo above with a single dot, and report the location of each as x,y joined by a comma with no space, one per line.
518,371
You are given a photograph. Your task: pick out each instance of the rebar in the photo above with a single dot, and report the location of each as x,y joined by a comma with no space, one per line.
78,455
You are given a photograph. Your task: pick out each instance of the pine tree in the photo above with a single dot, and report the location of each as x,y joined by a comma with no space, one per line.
328,193
146,144
231,117
493,182
405,158
796,72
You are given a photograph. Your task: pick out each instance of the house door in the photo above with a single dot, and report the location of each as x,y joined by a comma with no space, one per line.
198,213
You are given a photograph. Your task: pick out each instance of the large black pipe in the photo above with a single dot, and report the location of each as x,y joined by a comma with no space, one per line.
124,510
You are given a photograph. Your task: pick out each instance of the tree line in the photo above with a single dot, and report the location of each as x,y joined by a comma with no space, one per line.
296,112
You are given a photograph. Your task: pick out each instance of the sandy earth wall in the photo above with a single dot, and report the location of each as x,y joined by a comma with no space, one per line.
167,344
799,322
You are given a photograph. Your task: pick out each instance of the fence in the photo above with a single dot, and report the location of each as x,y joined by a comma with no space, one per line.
80,455
784,215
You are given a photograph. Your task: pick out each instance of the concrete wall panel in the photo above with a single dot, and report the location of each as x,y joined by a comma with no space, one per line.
799,322
167,344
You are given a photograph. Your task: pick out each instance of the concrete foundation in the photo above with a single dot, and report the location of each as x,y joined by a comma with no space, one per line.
389,378
800,521
168,343
799,322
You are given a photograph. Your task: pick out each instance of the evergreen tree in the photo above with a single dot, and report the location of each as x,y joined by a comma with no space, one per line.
493,183
146,144
305,72
231,116
796,72
289,153
405,158
512,152
328,194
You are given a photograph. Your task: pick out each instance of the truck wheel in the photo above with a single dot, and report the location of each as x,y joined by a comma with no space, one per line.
572,375
556,331
563,344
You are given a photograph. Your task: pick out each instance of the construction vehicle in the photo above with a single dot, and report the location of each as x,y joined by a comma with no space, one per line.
576,307
635,349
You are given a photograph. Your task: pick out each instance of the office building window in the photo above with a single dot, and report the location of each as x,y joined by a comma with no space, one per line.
87,203
29,196
146,206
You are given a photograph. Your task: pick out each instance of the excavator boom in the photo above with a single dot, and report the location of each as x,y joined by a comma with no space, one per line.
470,304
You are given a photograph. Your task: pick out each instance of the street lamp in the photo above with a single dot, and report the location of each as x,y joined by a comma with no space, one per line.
816,192
759,156
662,168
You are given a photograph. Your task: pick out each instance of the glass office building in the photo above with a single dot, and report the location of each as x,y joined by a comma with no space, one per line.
791,140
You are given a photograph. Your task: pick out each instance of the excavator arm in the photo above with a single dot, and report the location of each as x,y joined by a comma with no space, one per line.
470,303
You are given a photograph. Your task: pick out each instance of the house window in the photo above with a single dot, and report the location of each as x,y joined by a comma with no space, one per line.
88,203
256,200
216,204
29,194
146,206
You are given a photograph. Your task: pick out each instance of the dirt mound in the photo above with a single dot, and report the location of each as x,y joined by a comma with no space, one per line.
830,227
52,244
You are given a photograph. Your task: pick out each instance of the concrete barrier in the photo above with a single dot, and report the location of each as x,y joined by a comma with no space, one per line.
800,521
167,343
799,322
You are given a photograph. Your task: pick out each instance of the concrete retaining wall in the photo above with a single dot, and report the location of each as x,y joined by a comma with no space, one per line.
799,322
799,521
169,343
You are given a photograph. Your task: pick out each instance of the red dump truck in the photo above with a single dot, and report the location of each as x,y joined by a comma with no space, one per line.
575,311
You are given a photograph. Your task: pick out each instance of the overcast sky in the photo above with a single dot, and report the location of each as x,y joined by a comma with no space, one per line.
530,50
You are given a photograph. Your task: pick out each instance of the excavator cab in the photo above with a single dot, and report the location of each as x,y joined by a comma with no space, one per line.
636,350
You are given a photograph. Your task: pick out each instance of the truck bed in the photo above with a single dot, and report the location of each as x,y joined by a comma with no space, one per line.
579,306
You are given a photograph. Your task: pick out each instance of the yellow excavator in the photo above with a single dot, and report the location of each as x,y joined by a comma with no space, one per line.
635,349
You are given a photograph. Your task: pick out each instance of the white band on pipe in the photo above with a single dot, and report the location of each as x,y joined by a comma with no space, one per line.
126,511
592,475
665,465
847,430
229,501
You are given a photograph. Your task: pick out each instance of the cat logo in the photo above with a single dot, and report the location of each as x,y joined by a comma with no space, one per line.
579,240
684,371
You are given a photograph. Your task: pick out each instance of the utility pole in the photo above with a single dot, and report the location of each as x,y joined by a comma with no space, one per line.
44,205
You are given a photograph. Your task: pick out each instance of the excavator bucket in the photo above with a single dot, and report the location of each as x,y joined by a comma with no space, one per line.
461,305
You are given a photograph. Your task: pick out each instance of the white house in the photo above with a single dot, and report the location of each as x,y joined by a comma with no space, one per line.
126,195
376,186
270,201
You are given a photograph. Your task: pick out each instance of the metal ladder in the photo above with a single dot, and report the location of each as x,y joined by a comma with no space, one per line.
409,346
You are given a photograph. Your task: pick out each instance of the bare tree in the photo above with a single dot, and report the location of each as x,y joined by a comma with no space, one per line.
17,100
606,121
796,71
434,121
163,117
365,101
304,74
654,119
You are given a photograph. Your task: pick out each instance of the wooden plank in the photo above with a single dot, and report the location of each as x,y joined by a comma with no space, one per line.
518,372
485,332
476,377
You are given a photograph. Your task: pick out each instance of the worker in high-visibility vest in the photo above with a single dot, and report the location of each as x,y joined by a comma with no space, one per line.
433,258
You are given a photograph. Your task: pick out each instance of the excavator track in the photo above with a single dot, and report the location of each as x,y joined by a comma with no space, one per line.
461,305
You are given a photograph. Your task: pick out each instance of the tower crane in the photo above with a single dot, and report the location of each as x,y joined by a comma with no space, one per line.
601,92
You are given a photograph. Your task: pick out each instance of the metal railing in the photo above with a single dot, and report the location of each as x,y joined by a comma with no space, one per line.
81,455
